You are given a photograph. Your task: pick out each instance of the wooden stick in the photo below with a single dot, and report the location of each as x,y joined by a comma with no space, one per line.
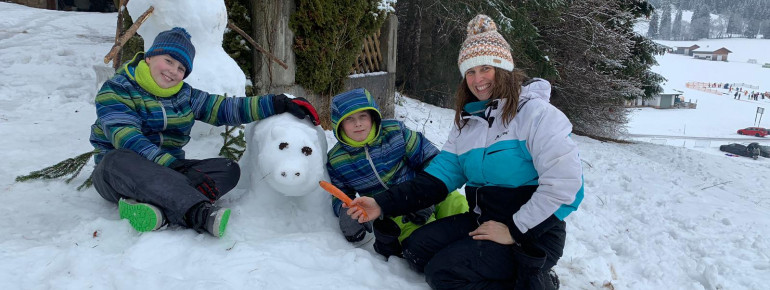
118,32
129,33
254,43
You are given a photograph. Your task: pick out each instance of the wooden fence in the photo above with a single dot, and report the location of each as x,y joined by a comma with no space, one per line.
704,87
370,59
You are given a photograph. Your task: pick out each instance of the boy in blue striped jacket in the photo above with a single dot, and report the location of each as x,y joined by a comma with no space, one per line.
371,156
144,117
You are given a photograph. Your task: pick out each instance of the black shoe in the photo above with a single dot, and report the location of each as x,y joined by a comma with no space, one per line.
386,233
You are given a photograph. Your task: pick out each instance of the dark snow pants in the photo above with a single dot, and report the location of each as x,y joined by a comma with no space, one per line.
453,260
123,173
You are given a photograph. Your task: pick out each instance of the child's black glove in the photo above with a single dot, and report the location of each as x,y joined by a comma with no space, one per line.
353,231
299,107
419,217
197,179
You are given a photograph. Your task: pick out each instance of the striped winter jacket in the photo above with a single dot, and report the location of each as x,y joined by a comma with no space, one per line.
535,148
157,128
396,153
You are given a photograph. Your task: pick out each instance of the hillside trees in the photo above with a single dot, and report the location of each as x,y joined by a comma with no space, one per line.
700,23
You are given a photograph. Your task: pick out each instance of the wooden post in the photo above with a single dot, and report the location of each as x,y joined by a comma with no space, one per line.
129,33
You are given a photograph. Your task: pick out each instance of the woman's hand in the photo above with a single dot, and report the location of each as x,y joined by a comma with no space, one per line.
493,231
364,204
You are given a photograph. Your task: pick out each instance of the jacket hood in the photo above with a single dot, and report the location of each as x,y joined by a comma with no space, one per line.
351,102
535,88
128,68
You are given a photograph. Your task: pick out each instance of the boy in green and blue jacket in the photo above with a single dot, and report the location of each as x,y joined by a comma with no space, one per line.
144,117
373,154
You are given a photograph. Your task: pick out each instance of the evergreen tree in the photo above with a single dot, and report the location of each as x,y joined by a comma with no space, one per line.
665,22
652,29
765,30
700,23
752,28
733,24
676,29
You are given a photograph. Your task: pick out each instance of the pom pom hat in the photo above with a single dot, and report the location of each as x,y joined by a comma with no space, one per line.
483,45
176,43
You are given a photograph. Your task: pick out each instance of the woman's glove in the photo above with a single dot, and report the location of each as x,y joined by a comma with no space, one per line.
419,217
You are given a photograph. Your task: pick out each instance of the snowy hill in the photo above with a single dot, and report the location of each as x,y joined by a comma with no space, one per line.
654,216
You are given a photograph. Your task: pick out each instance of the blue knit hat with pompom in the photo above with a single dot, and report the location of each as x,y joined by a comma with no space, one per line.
176,43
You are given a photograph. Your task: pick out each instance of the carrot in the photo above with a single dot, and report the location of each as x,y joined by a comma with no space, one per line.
336,192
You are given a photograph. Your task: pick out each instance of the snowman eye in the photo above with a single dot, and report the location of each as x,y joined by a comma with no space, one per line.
283,145
307,151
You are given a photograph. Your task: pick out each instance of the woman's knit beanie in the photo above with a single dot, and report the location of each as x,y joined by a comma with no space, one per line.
483,45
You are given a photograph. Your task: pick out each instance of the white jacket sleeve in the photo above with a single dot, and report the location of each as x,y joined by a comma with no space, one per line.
557,162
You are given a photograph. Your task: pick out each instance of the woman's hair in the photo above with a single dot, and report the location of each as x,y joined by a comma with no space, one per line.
507,87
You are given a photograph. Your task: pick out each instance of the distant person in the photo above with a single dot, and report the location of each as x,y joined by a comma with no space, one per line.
373,154
144,115
522,174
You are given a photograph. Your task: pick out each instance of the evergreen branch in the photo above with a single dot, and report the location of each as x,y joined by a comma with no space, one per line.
70,166
86,184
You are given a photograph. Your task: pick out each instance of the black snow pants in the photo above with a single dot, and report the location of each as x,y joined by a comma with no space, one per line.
123,173
451,259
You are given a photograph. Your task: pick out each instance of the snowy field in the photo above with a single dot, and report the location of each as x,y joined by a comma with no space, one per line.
654,216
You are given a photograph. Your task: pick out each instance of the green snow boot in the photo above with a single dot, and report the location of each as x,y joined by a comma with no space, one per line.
143,217
216,221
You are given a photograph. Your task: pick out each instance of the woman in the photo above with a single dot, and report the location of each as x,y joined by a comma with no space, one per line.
522,175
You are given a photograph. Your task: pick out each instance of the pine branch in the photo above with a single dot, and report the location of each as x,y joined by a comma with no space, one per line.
86,184
233,146
70,166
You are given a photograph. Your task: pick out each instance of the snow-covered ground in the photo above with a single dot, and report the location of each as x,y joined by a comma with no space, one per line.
654,216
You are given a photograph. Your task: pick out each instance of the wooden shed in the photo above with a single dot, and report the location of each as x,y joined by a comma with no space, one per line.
687,50
719,54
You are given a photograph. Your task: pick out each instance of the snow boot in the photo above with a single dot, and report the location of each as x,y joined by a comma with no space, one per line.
207,217
529,272
386,233
216,221
143,217
551,280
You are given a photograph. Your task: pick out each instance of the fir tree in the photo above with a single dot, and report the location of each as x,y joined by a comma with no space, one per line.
652,29
664,31
676,28
700,22
752,28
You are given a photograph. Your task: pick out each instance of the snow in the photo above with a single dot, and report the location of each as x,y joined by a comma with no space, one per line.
654,216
